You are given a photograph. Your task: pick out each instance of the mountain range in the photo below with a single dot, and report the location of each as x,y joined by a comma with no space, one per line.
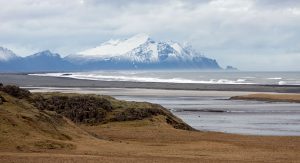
137,52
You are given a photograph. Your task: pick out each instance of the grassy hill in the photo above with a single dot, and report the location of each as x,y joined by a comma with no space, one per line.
35,122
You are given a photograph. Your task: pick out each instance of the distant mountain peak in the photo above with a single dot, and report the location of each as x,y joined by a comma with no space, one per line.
141,51
138,48
6,54
45,53
142,37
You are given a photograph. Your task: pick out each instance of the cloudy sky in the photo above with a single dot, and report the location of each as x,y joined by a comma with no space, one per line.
248,34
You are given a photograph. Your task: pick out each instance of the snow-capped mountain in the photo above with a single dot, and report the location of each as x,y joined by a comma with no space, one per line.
6,55
140,51
137,52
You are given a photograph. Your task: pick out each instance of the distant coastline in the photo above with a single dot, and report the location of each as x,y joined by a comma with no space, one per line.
24,80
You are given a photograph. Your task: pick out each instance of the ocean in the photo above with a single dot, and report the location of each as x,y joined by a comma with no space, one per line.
207,77
217,113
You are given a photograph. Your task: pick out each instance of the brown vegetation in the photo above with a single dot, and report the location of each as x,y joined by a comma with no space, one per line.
80,109
92,109
15,91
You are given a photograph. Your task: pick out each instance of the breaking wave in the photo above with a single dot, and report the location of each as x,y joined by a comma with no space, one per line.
142,79
275,78
184,77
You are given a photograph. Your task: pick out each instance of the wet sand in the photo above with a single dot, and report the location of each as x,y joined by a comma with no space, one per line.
25,80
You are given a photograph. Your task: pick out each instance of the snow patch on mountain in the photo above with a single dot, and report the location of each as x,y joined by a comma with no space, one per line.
137,49
114,48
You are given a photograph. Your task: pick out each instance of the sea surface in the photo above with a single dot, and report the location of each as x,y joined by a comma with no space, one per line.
217,113
207,77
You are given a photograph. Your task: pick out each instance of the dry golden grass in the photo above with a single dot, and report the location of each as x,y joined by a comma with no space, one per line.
155,141
29,135
270,97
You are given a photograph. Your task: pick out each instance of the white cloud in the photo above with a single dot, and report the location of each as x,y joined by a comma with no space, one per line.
223,29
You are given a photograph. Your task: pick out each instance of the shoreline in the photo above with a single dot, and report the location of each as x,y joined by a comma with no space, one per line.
141,92
24,80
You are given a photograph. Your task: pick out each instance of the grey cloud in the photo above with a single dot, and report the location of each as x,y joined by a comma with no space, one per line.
278,3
